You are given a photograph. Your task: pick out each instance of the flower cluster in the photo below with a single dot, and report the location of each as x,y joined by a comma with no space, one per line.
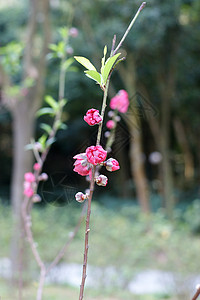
119,103
96,155
30,182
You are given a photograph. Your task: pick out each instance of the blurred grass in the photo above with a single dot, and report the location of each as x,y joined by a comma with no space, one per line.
120,236
66,292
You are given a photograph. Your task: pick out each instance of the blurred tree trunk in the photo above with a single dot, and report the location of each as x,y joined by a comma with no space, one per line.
183,142
128,75
23,113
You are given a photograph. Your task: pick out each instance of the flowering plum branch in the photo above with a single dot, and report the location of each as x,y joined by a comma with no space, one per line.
90,162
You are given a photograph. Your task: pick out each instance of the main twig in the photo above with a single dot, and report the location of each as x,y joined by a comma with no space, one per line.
92,182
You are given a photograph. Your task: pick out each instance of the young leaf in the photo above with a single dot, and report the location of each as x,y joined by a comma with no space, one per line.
53,47
94,75
50,142
108,66
62,102
42,141
52,102
85,62
45,111
63,126
46,127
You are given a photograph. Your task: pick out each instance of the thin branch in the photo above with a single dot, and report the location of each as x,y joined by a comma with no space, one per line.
129,27
196,295
72,236
87,235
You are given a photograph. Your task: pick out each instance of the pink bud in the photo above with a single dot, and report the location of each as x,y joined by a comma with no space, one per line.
29,192
36,166
43,177
36,198
102,180
112,165
110,124
80,197
73,32
69,50
30,177
93,117
111,113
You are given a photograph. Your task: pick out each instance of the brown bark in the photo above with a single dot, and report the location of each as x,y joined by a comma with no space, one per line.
183,142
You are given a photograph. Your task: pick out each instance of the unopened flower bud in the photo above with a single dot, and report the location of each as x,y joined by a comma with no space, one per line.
112,165
73,32
36,166
43,177
87,192
110,124
197,286
117,118
111,113
107,134
69,50
101,180
30,177
80,197
36,198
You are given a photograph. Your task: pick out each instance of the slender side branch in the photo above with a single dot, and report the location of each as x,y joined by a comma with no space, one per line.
129,27
63,250
196,295
103,112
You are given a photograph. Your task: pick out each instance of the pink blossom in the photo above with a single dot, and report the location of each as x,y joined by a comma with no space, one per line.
29,192
82,166
80,197
36,166
96,154
102,180
93,117
73,32
30,177
110,124
112,165
27,185
120,101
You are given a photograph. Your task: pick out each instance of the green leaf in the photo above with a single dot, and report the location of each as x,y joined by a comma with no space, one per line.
104,57
53,47
50,141
63,32
108,66
45,111
68,63
63,126
52,102
42,141
62,102
85,62
46,127
94,75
